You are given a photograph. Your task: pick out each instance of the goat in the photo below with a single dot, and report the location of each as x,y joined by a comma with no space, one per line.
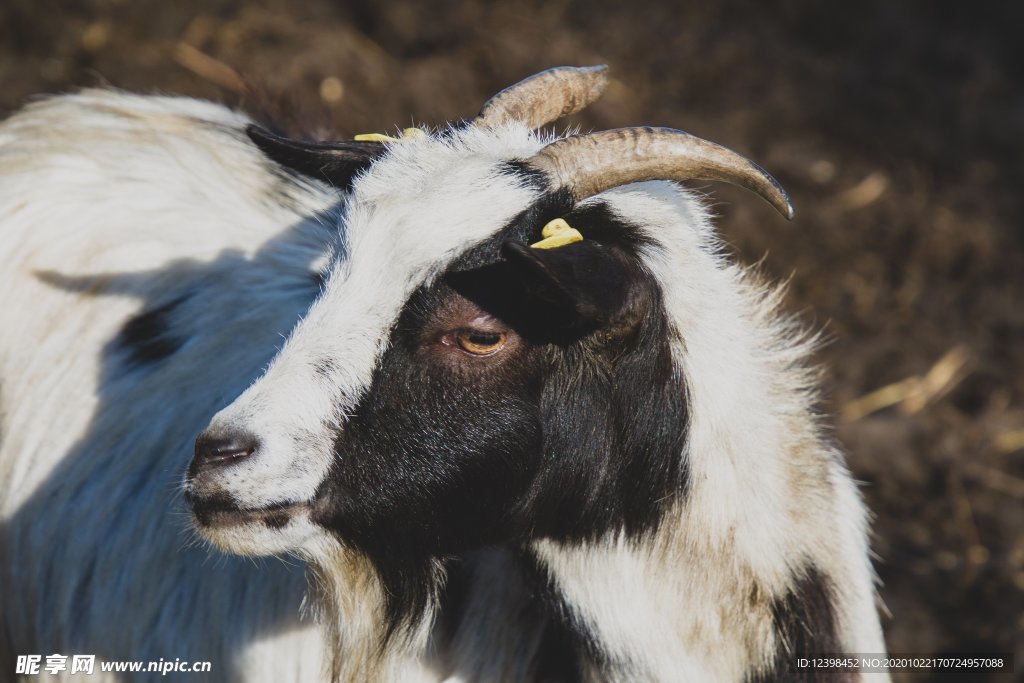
152,257
537,426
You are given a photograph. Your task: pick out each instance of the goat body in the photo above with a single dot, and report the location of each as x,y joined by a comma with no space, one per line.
151,261
595,462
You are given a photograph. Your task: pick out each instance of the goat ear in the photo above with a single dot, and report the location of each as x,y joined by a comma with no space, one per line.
584,285
334,162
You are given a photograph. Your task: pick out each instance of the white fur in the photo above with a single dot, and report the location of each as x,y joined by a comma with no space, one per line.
111,204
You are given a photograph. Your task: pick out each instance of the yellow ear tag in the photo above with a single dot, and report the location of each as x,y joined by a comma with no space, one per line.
557,233
407,134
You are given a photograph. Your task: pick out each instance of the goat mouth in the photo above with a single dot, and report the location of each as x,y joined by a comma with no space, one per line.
217,514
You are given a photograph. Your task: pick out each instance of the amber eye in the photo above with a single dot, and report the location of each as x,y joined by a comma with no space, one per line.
479,343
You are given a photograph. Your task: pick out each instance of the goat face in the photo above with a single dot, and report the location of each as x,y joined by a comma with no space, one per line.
454,387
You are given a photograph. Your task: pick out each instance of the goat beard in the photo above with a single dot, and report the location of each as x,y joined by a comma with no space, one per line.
349,599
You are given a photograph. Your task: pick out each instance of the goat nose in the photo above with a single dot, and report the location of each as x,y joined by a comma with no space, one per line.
218,448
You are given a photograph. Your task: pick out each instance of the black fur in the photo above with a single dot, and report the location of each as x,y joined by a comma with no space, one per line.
336,163
276,520
324,366
578,433
149,337
454,599
558,660
318,280
567,645
805,625
563,646
528,174
204,509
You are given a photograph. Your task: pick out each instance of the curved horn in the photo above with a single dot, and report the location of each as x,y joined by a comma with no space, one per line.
545,97
590,164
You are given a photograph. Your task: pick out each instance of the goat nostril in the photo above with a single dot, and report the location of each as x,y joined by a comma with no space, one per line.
223,448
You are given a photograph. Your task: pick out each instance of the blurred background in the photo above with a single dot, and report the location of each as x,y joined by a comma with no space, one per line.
897,127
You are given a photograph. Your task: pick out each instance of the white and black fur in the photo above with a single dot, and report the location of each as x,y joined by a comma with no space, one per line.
639,492
636,487
152,261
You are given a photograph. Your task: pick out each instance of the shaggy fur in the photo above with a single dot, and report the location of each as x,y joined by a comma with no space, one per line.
768,540
151,259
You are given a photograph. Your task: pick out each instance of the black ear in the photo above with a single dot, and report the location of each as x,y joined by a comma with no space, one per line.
334,162
581,286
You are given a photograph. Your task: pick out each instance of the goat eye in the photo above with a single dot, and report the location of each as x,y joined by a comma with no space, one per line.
479,343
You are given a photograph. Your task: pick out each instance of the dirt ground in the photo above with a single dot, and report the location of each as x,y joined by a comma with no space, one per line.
898,128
